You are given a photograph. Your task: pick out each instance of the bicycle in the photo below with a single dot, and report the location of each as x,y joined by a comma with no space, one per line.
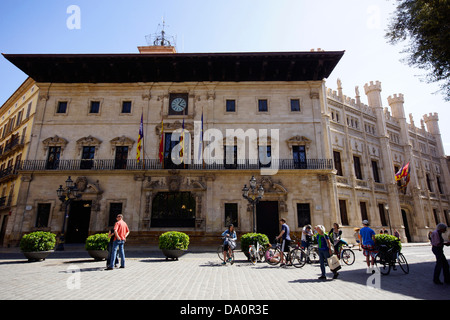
220,250
295,256
386,258
312,253
256,252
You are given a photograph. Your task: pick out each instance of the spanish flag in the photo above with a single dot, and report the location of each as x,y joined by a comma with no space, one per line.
182,142
140,138
161,143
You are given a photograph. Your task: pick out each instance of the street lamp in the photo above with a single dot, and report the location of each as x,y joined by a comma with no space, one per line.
253,195
386,206
66,195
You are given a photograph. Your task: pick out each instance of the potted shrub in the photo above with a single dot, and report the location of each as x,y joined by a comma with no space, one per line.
389,241
248,238
173,244
97,246
37,245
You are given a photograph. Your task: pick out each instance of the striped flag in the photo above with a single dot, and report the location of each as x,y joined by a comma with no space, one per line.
140,138
182,142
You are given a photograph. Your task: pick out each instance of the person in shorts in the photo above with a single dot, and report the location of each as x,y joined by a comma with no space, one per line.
368,243
284,234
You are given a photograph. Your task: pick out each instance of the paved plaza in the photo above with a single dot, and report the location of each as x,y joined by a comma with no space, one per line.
199,275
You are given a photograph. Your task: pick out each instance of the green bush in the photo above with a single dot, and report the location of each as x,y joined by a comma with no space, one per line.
248,239
389,241
172,240
97,241
38,241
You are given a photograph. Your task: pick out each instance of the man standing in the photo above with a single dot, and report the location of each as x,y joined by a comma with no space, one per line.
121,232
368,243
286,239
438,243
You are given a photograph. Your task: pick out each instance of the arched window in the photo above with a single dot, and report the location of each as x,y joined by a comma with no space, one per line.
173,209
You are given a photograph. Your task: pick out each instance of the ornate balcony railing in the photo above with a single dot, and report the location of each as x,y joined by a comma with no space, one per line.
155,164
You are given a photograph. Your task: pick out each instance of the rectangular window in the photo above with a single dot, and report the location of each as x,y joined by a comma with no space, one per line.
429,185
343,212
230,157
303,214
62,107
337,162
436,216
121,157
299,153
53,158
231,105
115,208
362,206
126,107
295,105
29,110
438,181
262,105
382,214
357,166
265,156
376,175
231,214
43,215
87,157
95,107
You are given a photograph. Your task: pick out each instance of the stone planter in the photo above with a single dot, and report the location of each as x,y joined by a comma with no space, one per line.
173,254
36,255
98,255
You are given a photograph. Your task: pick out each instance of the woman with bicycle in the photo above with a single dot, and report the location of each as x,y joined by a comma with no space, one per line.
324,250
336,234
229,243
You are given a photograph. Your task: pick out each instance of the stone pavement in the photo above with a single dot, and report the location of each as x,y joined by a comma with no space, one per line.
199,275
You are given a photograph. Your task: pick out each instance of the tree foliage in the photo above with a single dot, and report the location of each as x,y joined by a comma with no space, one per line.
426,25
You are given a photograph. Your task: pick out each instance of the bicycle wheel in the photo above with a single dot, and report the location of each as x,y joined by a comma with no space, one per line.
348,256
220,252
313,255
403,263
298,257
273,256
261,253
252,254
382,265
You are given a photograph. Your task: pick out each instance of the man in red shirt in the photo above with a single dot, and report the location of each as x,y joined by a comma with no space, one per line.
121,232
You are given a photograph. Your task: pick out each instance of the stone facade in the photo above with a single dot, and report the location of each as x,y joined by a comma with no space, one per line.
91,129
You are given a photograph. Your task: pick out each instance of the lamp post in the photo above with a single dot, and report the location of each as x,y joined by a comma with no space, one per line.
66,195
386,206
253,196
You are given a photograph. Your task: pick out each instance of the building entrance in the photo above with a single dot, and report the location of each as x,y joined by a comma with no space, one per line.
267,221
78,222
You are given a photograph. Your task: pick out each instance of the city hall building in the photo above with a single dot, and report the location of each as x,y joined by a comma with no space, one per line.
319,156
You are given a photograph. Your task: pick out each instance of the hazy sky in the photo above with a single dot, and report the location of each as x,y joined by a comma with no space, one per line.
119,26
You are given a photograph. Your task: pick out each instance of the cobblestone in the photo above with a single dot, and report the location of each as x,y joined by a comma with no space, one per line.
199,275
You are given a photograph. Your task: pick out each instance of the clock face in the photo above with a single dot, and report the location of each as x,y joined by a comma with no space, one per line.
178,104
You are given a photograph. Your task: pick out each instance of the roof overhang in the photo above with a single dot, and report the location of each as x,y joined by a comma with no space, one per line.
179,67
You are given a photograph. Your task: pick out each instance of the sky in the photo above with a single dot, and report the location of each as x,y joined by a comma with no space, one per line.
120,26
